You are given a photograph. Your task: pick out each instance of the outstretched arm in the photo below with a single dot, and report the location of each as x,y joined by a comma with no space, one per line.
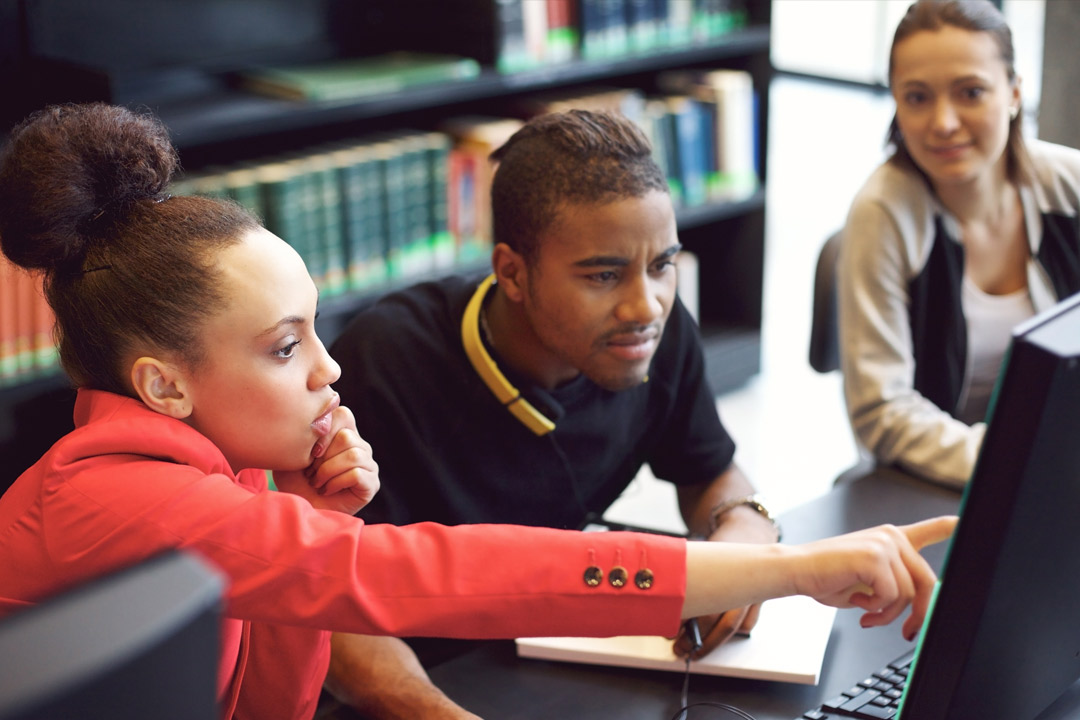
878,570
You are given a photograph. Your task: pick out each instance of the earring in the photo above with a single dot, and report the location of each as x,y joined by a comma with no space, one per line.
1014,111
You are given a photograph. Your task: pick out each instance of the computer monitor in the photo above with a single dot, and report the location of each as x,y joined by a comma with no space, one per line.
140,643
1003,637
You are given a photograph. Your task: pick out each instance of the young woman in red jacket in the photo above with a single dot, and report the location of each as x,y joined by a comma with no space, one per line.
189,331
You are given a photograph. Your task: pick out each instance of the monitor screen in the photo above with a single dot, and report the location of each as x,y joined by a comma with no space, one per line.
1003,637
140,643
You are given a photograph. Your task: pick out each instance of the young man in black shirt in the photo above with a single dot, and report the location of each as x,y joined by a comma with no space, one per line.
535,395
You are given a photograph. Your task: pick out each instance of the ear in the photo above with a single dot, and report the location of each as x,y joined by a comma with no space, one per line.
161,386
511,274
1017,96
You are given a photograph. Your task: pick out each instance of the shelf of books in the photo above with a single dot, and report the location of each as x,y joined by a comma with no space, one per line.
238,111
380,211
361,136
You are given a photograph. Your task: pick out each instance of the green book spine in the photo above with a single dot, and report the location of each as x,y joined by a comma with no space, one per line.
653,115
666,128
346,165
310,245
352,79
330,237
280,195
418,256
358,175
373,196
442,241
395,221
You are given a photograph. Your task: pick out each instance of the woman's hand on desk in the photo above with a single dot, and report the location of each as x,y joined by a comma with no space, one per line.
879,570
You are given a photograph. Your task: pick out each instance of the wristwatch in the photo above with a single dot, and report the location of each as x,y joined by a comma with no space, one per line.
751,501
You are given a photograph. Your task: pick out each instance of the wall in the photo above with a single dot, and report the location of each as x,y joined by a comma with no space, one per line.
845,40
1059,116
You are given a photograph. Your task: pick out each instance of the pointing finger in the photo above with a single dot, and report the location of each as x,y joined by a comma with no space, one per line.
930,531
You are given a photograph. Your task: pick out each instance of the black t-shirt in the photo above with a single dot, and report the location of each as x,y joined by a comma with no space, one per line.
449,452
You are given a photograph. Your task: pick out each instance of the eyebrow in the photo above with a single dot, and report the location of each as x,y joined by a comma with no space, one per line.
954,81
290,320
619,261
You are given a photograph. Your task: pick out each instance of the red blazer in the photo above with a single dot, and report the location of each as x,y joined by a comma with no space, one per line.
129,482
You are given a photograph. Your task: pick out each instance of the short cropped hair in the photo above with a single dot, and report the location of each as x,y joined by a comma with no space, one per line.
567,158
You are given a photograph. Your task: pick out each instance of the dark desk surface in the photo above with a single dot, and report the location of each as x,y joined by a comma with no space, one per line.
497,685
494,683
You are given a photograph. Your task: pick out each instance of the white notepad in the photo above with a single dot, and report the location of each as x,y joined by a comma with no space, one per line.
787,645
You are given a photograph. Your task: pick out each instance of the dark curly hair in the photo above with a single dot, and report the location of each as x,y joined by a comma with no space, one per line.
126,268
574,157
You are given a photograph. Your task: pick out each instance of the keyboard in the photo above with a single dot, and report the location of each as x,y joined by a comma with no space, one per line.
875,698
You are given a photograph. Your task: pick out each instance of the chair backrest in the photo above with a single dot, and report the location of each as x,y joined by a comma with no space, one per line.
824,326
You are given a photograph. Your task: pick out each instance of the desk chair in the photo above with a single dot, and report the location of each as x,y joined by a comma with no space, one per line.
824,325
825,336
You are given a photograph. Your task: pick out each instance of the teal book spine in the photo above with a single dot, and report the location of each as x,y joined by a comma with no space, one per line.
362,201
373,195
279,193
346,162
666,128
396,224
309,244
330,237
442,241
418,257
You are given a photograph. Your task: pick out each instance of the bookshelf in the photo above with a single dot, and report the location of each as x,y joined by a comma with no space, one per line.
186,75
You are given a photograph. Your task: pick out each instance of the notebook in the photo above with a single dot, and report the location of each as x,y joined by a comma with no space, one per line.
787,645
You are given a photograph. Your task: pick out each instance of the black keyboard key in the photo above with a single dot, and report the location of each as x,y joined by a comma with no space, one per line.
859,700
835,704
876,697
904,660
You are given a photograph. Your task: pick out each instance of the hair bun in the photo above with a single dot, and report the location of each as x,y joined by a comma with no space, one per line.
69,171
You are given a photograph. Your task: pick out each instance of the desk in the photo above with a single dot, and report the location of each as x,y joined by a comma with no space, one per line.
494,683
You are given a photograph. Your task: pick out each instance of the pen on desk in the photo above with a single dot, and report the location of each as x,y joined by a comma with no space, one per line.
693,632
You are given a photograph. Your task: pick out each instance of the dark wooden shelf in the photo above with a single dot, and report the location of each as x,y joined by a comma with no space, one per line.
693,217
235,114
